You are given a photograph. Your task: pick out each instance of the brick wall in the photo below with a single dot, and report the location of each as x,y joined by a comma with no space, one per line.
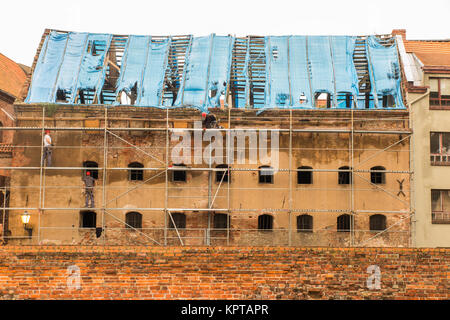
115,272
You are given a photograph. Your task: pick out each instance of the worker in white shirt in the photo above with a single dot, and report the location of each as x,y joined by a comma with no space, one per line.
47,149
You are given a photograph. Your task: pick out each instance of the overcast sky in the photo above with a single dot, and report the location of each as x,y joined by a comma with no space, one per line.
23,22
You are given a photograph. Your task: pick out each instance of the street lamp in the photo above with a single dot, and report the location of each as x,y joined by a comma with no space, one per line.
25,220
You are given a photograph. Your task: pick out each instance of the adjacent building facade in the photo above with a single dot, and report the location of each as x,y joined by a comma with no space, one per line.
427,69
12,79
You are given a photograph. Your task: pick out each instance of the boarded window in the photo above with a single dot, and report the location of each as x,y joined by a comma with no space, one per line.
222,175
305,223
377,222
345,176
133,220
88,219
179,219
344,223
221,221
178,174
265,222
305,176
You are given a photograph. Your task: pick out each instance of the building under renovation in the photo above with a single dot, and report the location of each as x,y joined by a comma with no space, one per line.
318,129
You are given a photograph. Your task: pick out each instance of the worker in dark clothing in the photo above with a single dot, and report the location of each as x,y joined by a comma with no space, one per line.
209,121
89,183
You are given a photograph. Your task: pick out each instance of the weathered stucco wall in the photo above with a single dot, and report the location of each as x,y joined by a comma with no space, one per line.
428,177
51,272
324,199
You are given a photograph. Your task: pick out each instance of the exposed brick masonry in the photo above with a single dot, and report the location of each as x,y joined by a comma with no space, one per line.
115,272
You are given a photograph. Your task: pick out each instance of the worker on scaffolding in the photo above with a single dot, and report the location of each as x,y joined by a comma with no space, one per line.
47,153
209,121
89,183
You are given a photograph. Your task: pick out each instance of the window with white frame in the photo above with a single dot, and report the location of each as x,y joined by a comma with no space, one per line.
440,206
440,148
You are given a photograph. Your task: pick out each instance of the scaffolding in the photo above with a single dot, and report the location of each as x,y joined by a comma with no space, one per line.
242,89
169,234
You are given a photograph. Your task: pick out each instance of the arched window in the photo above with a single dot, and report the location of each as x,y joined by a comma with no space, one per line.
377,222
304,223
265,174
377,176
344,223
179,175
91,164
136,173
222,175
88,219
133,220
344,176
304,177
179,219
265,222
221,221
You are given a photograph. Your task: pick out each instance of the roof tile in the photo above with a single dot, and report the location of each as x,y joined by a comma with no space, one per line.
12,76
431,53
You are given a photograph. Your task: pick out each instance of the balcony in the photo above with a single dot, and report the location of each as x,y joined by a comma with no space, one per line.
439,103
440,159
440,217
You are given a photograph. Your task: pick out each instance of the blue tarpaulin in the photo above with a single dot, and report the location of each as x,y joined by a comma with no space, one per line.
284,71
47,68
384,71
92,71
133,64
300,75
67,79
153,78
207,72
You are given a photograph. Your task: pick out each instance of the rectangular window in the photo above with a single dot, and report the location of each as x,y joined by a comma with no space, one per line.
440,206
179,175
439,93
440,148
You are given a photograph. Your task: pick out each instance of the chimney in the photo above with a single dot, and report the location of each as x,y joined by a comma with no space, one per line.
401,32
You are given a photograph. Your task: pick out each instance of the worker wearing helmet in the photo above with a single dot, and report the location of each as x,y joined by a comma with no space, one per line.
89,183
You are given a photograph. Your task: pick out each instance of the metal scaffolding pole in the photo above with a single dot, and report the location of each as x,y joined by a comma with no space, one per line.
166,198
105,165
310,130
412,228
228,184
290,178
352,179
4,215
40,174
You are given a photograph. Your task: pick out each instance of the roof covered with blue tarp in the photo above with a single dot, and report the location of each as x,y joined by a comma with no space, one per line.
286,72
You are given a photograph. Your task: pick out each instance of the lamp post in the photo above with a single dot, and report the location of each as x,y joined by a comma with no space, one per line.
25,220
